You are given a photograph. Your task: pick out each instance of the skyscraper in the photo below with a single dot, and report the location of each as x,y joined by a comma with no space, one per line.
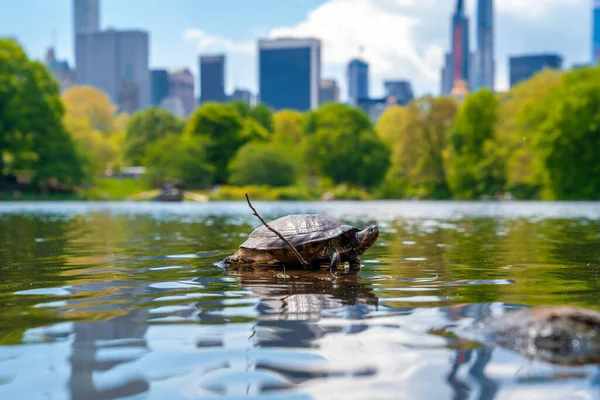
212,78
460,44
485,45
329,91
181,85
159,84
289,73
400,91
525,66
116,62
447,75
242,95
60,69
86,19
358,81
596,33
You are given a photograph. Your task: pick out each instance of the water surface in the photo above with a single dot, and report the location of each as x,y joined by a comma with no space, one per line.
127,300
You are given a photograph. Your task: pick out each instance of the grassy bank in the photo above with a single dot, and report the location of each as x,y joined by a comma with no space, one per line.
100,189
341,192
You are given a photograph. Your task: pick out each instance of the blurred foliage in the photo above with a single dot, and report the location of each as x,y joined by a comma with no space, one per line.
344,147
146,128
539,140
418,136
95,126
220,127
476,164
518,124
176,160
33,141
264,164
108,188
568,143
288,126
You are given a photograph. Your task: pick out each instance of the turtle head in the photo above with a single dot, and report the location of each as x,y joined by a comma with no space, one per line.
366,238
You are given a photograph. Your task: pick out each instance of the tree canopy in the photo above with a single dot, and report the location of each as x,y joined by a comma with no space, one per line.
344,147
418,136
263,164
147,127
476,165
568,143
97,129
221,125
34,141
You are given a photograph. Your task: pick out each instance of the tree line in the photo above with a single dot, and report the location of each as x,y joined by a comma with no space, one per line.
540,140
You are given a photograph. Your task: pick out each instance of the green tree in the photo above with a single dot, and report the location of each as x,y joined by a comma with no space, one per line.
259,113
221,128
146,127
263,115
33,138
476,164
418,136
96,127
288,126
171,159
344,147
520,115
568,143
264,164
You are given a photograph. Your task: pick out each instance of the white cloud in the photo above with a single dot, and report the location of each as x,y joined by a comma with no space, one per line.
385,28
407,39
205,42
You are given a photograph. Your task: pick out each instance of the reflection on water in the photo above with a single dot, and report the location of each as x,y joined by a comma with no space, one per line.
103,301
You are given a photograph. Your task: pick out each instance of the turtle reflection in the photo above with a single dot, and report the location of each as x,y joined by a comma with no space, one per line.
292,300
303,294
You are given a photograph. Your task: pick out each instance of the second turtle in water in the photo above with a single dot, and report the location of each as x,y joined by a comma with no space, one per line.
317,239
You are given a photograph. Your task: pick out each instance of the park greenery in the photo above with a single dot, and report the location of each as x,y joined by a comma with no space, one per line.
539,140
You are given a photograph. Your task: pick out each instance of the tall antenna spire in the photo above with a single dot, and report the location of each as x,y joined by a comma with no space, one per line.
361,51
460,7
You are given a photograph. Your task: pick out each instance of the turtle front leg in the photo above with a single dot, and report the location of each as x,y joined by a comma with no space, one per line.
355,264
336,258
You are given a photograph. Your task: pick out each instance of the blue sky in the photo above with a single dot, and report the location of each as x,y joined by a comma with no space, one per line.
403,39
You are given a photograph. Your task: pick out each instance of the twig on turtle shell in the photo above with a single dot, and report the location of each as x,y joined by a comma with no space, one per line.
302,260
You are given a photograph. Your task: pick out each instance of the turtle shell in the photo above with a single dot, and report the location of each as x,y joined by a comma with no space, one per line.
299,229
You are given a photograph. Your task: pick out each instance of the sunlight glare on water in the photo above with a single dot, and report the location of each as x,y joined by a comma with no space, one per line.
127,300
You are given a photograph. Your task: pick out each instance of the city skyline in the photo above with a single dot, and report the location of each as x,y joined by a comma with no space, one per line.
180,32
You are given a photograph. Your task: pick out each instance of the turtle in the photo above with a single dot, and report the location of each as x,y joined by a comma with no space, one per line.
561,335
318,239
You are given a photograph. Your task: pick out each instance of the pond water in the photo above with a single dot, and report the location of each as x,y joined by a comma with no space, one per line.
127,300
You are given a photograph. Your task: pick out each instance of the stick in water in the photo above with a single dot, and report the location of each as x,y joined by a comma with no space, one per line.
302,260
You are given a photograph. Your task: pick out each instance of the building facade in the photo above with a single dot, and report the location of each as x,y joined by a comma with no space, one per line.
596,33
289,73
116,62
375,107
461,56
212,78
159,86
181,85
174,105
329,91
401,91
447,75
358,81
484,61
86,19
525,66
242,95
64,74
